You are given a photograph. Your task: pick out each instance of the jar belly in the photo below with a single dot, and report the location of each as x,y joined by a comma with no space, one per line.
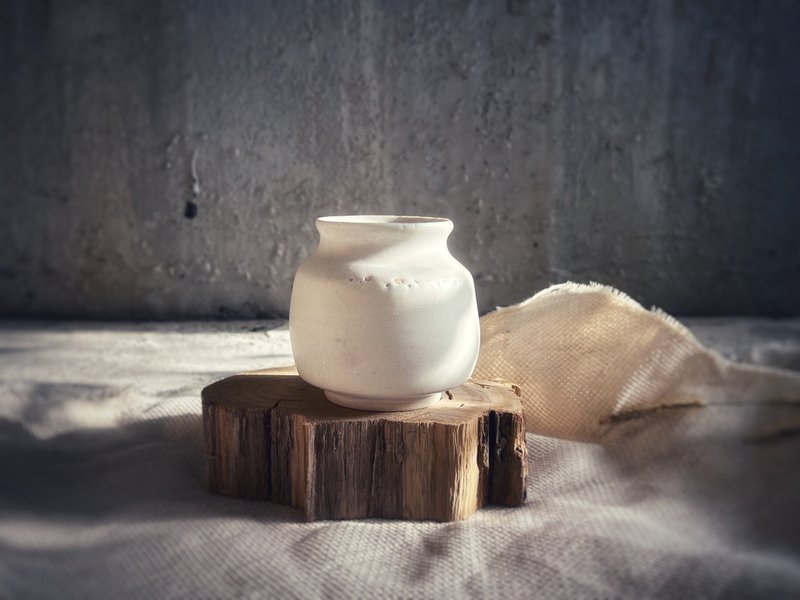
381,337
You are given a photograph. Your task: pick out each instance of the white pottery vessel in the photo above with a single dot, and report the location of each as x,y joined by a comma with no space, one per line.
382,316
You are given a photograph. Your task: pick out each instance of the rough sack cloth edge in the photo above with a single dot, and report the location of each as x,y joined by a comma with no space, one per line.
588,357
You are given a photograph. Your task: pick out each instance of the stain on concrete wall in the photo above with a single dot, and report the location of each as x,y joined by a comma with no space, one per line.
167,159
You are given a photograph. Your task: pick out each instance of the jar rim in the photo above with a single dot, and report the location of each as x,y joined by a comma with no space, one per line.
384,220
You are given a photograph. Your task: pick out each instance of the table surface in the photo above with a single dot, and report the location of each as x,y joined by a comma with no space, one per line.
103,482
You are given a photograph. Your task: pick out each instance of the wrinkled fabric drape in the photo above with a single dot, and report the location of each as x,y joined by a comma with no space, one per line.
589,358
697,446
657,469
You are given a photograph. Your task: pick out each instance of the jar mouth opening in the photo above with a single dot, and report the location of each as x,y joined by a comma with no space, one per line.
383,220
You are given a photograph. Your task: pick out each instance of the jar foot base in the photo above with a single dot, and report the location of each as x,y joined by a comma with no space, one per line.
383,404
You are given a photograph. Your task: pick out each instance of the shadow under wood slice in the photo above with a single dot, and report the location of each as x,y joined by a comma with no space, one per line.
272,435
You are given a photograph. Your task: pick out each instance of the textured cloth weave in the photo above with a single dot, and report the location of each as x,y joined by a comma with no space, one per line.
658,469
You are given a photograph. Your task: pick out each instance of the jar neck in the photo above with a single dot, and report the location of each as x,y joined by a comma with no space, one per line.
370,234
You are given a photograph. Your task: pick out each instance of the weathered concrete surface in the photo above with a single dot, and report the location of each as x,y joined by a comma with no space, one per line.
166,159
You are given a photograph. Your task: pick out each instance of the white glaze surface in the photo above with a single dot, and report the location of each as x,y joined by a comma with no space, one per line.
383,311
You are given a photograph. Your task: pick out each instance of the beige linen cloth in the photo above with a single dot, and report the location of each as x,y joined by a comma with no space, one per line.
657,469
695,447
589,358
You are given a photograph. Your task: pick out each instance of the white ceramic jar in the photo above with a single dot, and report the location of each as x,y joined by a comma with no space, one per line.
382,316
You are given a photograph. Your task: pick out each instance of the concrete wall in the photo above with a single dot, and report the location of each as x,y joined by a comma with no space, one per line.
167,159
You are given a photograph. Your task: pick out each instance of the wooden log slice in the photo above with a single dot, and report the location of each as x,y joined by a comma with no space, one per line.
271,435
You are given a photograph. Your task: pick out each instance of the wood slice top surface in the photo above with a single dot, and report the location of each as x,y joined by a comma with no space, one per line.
280,388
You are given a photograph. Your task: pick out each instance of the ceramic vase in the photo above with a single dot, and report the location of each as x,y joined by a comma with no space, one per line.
382,316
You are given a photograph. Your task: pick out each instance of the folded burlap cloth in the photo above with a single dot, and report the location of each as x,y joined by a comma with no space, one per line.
696,470
595,365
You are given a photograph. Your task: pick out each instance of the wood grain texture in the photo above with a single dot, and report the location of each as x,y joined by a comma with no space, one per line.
271,435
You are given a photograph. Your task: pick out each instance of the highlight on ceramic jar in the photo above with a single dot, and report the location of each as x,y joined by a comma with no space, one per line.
382,316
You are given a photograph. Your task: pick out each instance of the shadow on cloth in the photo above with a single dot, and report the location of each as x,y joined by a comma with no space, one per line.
736,464
147,470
